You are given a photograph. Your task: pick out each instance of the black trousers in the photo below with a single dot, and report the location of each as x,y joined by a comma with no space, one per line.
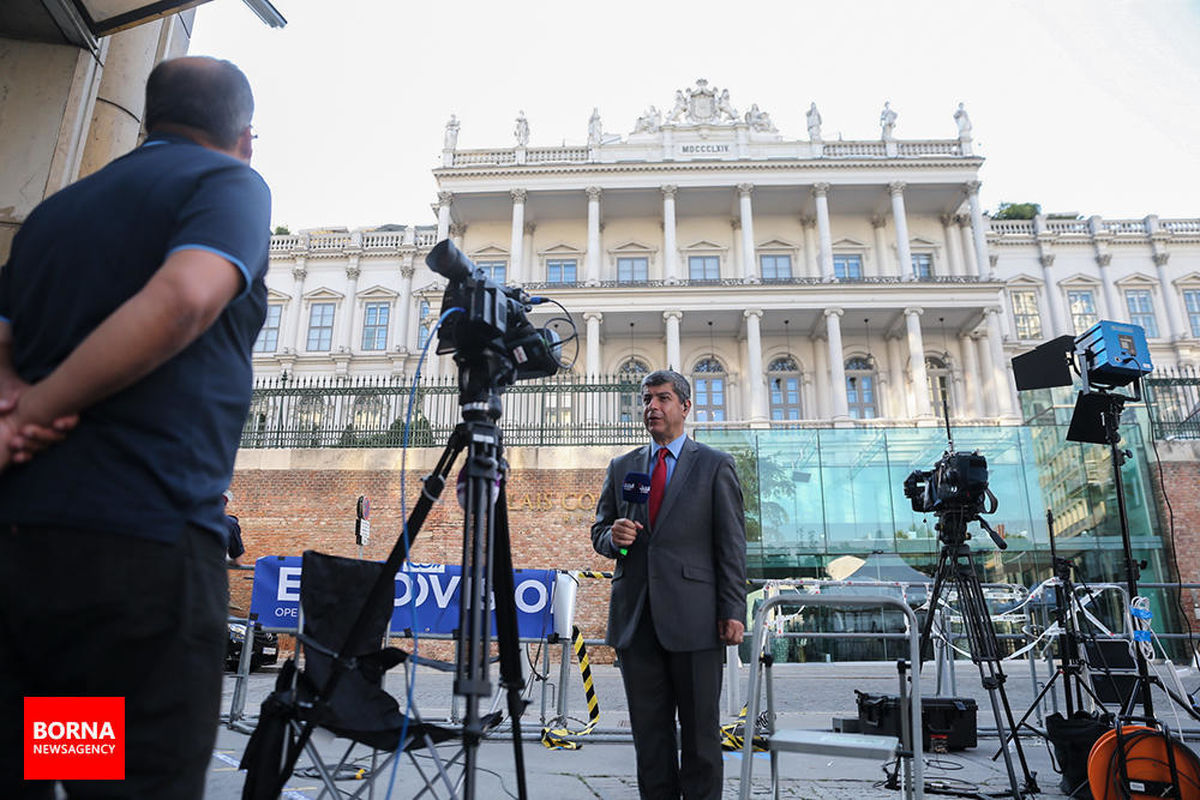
88,614
660,684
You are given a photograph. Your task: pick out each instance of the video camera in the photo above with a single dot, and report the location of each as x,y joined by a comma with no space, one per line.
957,484
494,325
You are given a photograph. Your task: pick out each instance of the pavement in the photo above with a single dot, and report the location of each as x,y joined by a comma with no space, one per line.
806,696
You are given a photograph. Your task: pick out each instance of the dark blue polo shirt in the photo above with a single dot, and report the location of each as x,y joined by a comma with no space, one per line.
155,456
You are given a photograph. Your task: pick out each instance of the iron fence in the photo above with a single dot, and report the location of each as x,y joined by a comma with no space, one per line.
1173,400
372,411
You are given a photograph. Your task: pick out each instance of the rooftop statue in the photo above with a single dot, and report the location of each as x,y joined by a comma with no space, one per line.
887,121
521,131
450,141
726,111
595,129
963,121
650,122
680,108
760,120
814,123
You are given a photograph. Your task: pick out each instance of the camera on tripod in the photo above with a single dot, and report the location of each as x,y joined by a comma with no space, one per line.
494,322
957,480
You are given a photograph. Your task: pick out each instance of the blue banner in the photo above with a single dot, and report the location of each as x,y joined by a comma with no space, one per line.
427,597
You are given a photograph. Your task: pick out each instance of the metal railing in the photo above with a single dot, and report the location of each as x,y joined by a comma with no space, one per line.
373,411
1173,400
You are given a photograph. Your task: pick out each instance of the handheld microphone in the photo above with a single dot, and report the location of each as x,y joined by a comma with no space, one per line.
635,488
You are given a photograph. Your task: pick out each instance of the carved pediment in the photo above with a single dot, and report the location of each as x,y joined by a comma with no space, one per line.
276,296
378,292
1024,281
323,294
1137,280
489,251
704,244
631,247
1080,279
848,241
777,244
561,249
1191,279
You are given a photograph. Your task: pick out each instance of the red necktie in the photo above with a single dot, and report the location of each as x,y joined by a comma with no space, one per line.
658,483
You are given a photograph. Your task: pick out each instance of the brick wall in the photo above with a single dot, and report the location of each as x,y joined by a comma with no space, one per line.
1181,478
285,511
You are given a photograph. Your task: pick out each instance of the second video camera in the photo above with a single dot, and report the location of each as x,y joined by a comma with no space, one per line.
957,480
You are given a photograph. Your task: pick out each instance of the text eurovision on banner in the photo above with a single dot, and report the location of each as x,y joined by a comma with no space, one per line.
436,588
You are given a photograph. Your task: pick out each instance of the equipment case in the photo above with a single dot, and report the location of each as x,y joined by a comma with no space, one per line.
951,717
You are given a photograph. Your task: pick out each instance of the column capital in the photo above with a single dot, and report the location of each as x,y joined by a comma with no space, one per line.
993,260
834,312
530,227
519,195
912,311
947,220
820,189
808,222
735,223
896,187
407,269
353,270
878,221
972,187
745,189
1104,259
753,312
669,190
1047,260
593,192
458,229
445,198
593,316
965,335
299,272
672,315
991,311
1161,259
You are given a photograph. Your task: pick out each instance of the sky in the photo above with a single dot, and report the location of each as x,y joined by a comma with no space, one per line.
1083,106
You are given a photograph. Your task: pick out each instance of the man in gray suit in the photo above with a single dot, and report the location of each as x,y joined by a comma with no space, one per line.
678,592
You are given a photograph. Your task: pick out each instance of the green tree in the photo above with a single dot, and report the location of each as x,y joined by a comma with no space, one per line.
282,230
1017,211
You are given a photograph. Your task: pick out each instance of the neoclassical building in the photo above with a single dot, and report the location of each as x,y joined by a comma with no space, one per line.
793,279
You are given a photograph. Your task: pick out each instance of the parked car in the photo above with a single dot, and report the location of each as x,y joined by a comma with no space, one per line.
264,651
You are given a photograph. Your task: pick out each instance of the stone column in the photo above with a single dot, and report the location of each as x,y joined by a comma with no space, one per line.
750,270
739,255
882,264
592,364
916,362
516,258
670,249
821,197
974,388
970,266
1054,308
954,253
824,394
412,331
529,268
900,217
978,227
672,319
901,406
593,239
400,340
1170,297
812,268
295,317
458,233
837,364
443,212
343,332
758,394
997,379
1112,309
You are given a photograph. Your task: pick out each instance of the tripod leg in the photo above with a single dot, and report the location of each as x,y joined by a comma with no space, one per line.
507,633
935,594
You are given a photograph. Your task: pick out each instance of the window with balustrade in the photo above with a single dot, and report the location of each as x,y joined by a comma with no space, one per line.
1082,303
632,370
494,270
708,391
861,380
775,266
847,266
633,269
1191,301
704,268
922,265
561,270
1141,310
375,326
937,374
1027,317
268,336
783,382
423,333
320,327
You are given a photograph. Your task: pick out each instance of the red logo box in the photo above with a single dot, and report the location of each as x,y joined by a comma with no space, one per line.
79,738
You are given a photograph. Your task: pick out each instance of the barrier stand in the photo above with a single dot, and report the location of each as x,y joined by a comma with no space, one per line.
241,678
556,738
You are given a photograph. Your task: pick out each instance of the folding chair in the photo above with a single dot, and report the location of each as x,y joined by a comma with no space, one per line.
333,590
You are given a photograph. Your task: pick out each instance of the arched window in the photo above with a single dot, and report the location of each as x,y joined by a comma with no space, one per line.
860,388
783,382
708,391
631,371
309,416
369,412
939,383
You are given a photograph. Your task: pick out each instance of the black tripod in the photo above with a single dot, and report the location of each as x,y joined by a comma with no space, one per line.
956,566
487,570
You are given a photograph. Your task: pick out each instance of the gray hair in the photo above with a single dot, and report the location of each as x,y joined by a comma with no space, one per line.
683,389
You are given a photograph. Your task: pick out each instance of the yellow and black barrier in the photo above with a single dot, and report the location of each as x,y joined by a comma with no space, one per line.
733,735
556,738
